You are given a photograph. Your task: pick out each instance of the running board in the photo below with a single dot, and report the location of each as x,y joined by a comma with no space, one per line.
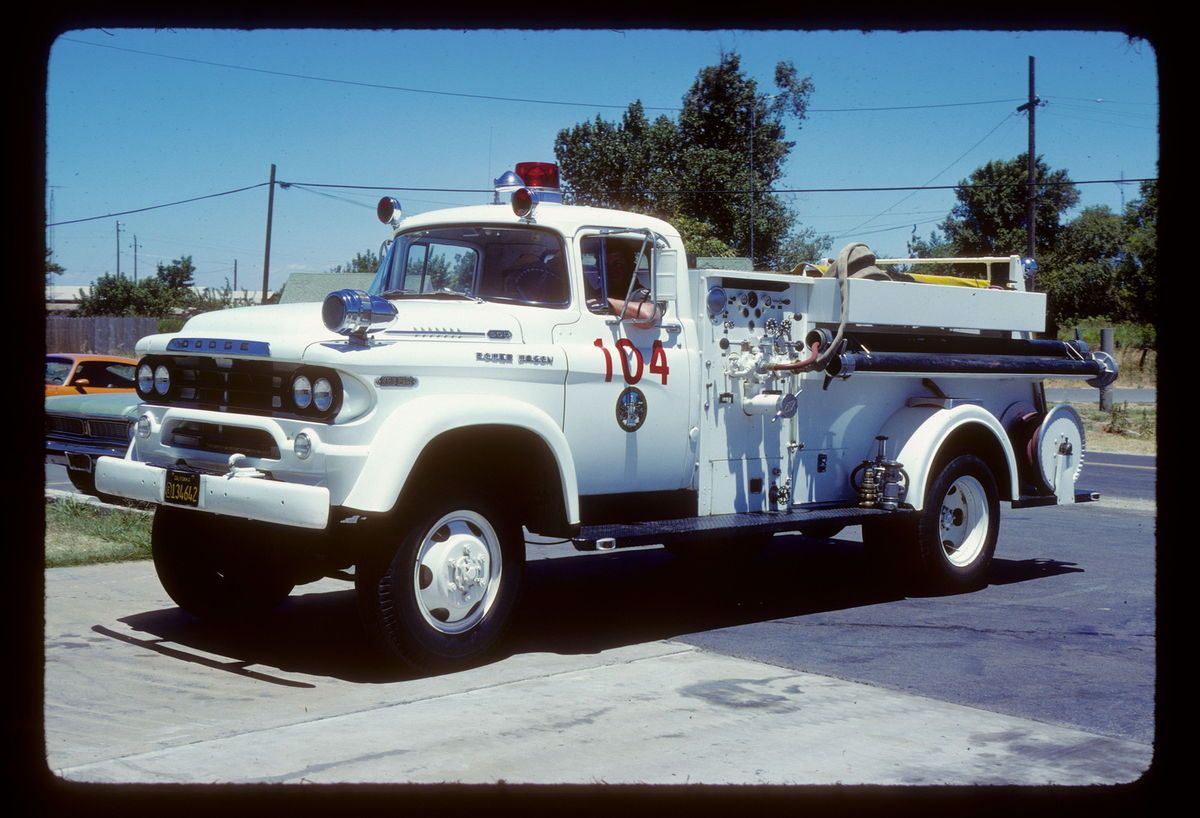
1081,496
665,532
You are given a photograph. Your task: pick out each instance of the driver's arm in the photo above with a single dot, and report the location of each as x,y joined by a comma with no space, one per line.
640,308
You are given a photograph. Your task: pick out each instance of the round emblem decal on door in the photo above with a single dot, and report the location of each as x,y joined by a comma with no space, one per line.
631,409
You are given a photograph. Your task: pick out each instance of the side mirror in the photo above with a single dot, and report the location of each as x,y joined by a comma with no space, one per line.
665,277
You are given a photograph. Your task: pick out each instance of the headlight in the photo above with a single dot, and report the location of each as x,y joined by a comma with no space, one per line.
144,426
162,380
322,394
145,378
302,446
302,392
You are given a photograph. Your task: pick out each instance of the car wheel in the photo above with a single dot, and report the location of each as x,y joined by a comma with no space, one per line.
83,481
207,566
948,546
446,583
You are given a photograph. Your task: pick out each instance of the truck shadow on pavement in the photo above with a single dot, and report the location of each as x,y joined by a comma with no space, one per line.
571,604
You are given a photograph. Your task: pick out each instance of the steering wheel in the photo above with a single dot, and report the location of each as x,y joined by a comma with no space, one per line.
534,281
56,380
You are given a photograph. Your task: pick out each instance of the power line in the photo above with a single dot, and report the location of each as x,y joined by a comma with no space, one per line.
1100,121
1097,99
492,97
903,199
159,206
732,191
375,85
913,107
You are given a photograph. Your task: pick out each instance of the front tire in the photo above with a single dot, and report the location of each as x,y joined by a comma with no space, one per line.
210,567
948,548
446,585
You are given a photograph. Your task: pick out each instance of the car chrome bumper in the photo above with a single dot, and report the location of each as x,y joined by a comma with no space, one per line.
61,451
270,501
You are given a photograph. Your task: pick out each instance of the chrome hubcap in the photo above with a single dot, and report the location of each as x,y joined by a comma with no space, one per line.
964,521
457,573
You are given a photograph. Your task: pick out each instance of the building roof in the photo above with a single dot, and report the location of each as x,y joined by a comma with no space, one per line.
315,286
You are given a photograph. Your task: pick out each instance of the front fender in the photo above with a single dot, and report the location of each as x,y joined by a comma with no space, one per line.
921,431
407,431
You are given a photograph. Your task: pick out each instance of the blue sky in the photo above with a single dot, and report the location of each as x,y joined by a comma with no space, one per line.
128,130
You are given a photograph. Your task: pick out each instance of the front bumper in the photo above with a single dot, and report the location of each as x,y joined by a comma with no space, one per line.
254,498
81,455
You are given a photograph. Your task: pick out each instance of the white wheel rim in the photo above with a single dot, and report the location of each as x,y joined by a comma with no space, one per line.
457,572
963,523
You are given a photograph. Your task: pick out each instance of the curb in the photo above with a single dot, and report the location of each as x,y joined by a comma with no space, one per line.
60,496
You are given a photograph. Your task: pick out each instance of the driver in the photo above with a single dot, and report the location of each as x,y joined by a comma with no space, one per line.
535,277
619,264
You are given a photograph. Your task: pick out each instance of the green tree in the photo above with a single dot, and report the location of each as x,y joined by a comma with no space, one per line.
700,166
700,239
52,268
217,298
178,274
117,295
992,211
1081,276
803,244
1139,264
364,262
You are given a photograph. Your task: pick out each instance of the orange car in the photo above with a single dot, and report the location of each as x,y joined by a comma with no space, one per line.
71,373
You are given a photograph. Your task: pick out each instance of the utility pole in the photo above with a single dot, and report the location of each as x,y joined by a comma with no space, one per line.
267,252
118,249
752,107
235,275
1031,167
135,249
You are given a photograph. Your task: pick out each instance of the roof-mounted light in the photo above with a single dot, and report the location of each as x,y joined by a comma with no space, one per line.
539,174
355,312
524,201
541,178
388,210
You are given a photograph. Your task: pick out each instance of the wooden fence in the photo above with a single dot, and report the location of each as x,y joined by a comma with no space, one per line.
104,335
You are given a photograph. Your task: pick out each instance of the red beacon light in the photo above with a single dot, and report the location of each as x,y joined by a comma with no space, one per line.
539,174
530,184
388,210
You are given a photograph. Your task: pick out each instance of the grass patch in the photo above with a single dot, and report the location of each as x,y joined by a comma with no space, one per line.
1133,349
1127,429
86,534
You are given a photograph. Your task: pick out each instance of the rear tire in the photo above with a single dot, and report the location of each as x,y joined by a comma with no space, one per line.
948,547
446,581
209,566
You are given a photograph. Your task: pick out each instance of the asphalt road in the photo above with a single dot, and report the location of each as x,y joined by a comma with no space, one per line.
632,666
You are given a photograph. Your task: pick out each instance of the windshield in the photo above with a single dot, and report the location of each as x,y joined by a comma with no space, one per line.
520,265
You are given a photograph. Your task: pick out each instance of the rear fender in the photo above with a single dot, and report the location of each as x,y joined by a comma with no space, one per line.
922,432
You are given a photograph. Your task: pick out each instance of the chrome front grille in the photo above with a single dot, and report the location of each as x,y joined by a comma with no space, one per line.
253,387
88,427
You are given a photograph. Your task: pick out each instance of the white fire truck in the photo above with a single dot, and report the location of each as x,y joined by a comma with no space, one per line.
533,367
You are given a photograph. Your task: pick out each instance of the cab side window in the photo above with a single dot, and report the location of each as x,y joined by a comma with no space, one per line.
613,268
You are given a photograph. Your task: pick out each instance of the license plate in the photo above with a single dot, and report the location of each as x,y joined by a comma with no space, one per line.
182,488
